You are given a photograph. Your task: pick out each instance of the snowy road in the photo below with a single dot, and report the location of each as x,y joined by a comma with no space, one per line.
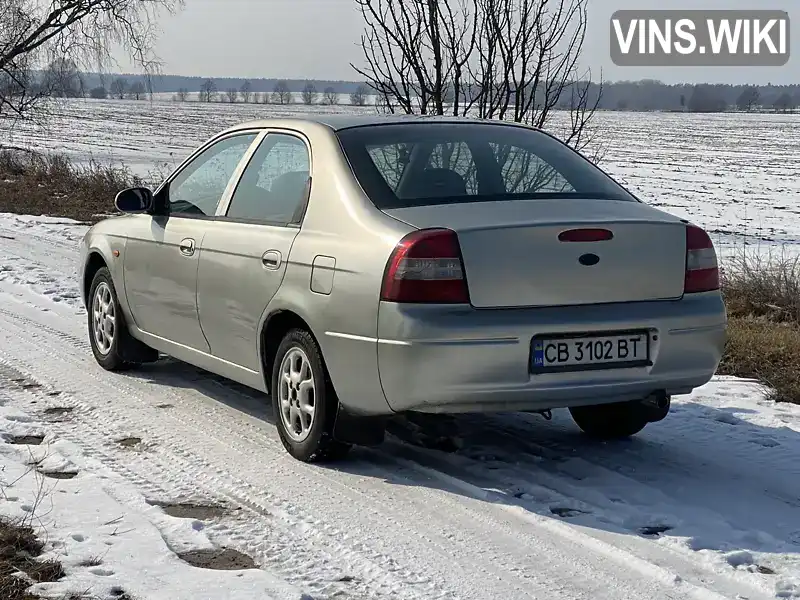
705,505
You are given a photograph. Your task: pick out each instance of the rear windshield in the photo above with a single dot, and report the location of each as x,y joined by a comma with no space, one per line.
421,164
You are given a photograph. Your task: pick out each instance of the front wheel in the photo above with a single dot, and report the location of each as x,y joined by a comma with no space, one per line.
610,421
114,348
303,400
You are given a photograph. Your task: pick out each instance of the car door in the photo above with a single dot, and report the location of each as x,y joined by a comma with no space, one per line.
246,250
162,251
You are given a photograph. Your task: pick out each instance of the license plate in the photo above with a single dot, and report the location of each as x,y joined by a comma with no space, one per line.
625,349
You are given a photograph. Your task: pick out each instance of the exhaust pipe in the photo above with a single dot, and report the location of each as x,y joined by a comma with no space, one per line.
656,406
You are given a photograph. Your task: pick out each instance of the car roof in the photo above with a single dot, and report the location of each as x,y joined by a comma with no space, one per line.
339,121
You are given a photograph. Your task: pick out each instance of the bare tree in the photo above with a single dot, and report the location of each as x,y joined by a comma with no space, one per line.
498,59
359,96
309,94
98,93
137,90
35,32
182,94
232,94
281,93
119,87
784,103
62,79
330,96
246,91
749,98
208,91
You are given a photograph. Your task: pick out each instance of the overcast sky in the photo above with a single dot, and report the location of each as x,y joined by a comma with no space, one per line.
318,39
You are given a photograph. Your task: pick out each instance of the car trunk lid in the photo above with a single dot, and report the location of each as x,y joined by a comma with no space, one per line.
513,256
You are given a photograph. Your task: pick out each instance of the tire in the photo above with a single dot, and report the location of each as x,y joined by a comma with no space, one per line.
113,346
307,437
610,421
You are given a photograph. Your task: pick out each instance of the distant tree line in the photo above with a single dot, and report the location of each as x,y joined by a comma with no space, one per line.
281,93
63,79
643,95
171,84
653,95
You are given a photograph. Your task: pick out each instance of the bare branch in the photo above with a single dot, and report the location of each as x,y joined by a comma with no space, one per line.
497,59
78,33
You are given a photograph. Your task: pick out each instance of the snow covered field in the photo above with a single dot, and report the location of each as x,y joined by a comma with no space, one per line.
737,175
131,476
704,505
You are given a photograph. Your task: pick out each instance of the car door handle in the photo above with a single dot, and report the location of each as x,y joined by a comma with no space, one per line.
187,246
271,259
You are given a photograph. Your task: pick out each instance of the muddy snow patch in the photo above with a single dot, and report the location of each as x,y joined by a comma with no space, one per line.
24,440
129,442
565,512
59,474
222,559
56,413
26,383
764,570
190,510
654,530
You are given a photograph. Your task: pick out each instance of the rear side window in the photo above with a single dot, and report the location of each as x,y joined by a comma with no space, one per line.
419,164
274,187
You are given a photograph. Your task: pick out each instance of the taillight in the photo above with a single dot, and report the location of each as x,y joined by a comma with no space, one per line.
702,269
425,268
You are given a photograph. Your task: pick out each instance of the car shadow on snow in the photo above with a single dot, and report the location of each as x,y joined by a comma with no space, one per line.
705,477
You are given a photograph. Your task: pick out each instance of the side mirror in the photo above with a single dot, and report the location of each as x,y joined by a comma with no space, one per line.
134,200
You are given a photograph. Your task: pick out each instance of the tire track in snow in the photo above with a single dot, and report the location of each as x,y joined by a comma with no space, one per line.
590,528
491,547
457,514
41,261
104,423
149,471
356,501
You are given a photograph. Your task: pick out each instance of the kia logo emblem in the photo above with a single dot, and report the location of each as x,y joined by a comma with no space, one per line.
588,260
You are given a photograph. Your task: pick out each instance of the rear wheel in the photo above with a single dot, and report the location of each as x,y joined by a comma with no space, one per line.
304,401
610,421
114,348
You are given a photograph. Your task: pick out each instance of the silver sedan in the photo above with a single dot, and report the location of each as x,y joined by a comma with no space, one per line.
356,268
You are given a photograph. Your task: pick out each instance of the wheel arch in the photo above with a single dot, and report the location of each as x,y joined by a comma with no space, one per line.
100,251
94,262
275,326
347,427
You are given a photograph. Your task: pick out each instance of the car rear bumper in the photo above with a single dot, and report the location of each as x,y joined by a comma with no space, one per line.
457,359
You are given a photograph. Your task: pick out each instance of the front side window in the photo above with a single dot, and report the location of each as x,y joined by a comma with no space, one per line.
419,164
198,188
274,186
